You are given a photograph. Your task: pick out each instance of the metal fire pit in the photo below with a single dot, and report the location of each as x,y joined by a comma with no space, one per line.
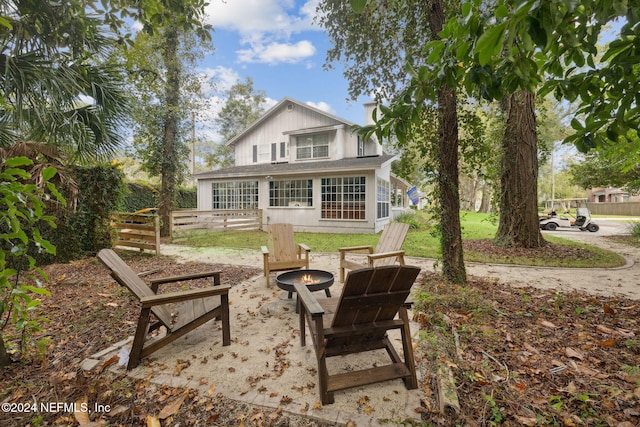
315,280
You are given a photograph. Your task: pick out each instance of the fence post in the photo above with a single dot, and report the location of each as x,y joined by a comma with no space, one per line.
156,222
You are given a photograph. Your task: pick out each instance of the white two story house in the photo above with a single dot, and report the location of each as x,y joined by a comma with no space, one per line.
304,166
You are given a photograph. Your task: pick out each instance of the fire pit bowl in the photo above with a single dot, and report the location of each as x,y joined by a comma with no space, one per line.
315,280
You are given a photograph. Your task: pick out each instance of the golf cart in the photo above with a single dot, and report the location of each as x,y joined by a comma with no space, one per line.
581,221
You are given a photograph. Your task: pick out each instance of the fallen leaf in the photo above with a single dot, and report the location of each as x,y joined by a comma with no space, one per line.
604,329
626,333
591,372
548,324
285,400
608,309
173,407
82,417
570,352
526,421
109,362
153,421
117,410
607,343
257,418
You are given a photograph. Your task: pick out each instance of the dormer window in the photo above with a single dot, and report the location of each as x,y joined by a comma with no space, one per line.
312,146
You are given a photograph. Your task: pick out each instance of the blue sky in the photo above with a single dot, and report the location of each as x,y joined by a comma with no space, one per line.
276,43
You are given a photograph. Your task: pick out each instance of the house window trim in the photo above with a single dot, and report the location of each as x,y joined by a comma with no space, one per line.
245,194
296,186
313,146
342,211
383,198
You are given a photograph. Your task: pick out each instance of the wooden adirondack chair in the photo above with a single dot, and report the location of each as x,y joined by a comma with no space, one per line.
282,252
193,307
386,252
357,322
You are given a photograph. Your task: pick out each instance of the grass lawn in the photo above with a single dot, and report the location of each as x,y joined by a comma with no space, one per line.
420,242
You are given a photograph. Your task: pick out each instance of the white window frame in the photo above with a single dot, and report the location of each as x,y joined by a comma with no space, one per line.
344,198
312,146
383,198
291,193
234,195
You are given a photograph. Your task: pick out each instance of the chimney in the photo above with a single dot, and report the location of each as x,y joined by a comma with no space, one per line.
369,107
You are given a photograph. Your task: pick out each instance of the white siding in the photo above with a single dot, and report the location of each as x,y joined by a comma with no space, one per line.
273,129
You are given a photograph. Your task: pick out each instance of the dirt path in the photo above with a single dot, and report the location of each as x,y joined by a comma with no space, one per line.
621,281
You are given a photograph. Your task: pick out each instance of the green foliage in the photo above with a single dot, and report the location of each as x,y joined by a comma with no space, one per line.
52,54
141,196
416,221
86,229
515,44
610,167
634,230
23,208
243,106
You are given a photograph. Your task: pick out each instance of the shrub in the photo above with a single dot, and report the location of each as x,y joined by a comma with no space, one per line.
415,220
23,206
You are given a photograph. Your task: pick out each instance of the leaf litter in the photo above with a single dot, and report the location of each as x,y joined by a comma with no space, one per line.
522,356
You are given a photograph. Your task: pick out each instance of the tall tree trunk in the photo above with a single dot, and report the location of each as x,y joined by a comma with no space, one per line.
453,267
519,225
170,150
4,357
485,204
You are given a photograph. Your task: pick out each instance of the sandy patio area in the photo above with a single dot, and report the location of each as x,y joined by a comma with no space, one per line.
265,364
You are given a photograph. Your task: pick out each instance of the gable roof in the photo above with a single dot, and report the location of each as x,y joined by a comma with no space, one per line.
270,112
356,164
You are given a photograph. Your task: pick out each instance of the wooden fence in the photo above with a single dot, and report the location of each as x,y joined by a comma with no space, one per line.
140,231
218,220
621,208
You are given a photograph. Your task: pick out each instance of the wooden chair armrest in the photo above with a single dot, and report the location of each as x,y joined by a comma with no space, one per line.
306,298
357,248
304,247
265,250
192,276
173,297
385,255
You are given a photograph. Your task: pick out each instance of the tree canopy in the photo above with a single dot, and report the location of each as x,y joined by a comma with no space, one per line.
54,88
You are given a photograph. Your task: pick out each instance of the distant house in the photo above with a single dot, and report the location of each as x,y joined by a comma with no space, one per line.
307,167
611,195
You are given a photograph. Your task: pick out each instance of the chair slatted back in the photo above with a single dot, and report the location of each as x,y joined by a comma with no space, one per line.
125,276
392,237
374,294
282,244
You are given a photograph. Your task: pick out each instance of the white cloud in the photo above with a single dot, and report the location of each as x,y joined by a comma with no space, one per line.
266,26
323,106
221,77
261,16
275,53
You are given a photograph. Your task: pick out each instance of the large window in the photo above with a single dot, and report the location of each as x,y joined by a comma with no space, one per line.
383,198
235,195
312,146
343,198
295,192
